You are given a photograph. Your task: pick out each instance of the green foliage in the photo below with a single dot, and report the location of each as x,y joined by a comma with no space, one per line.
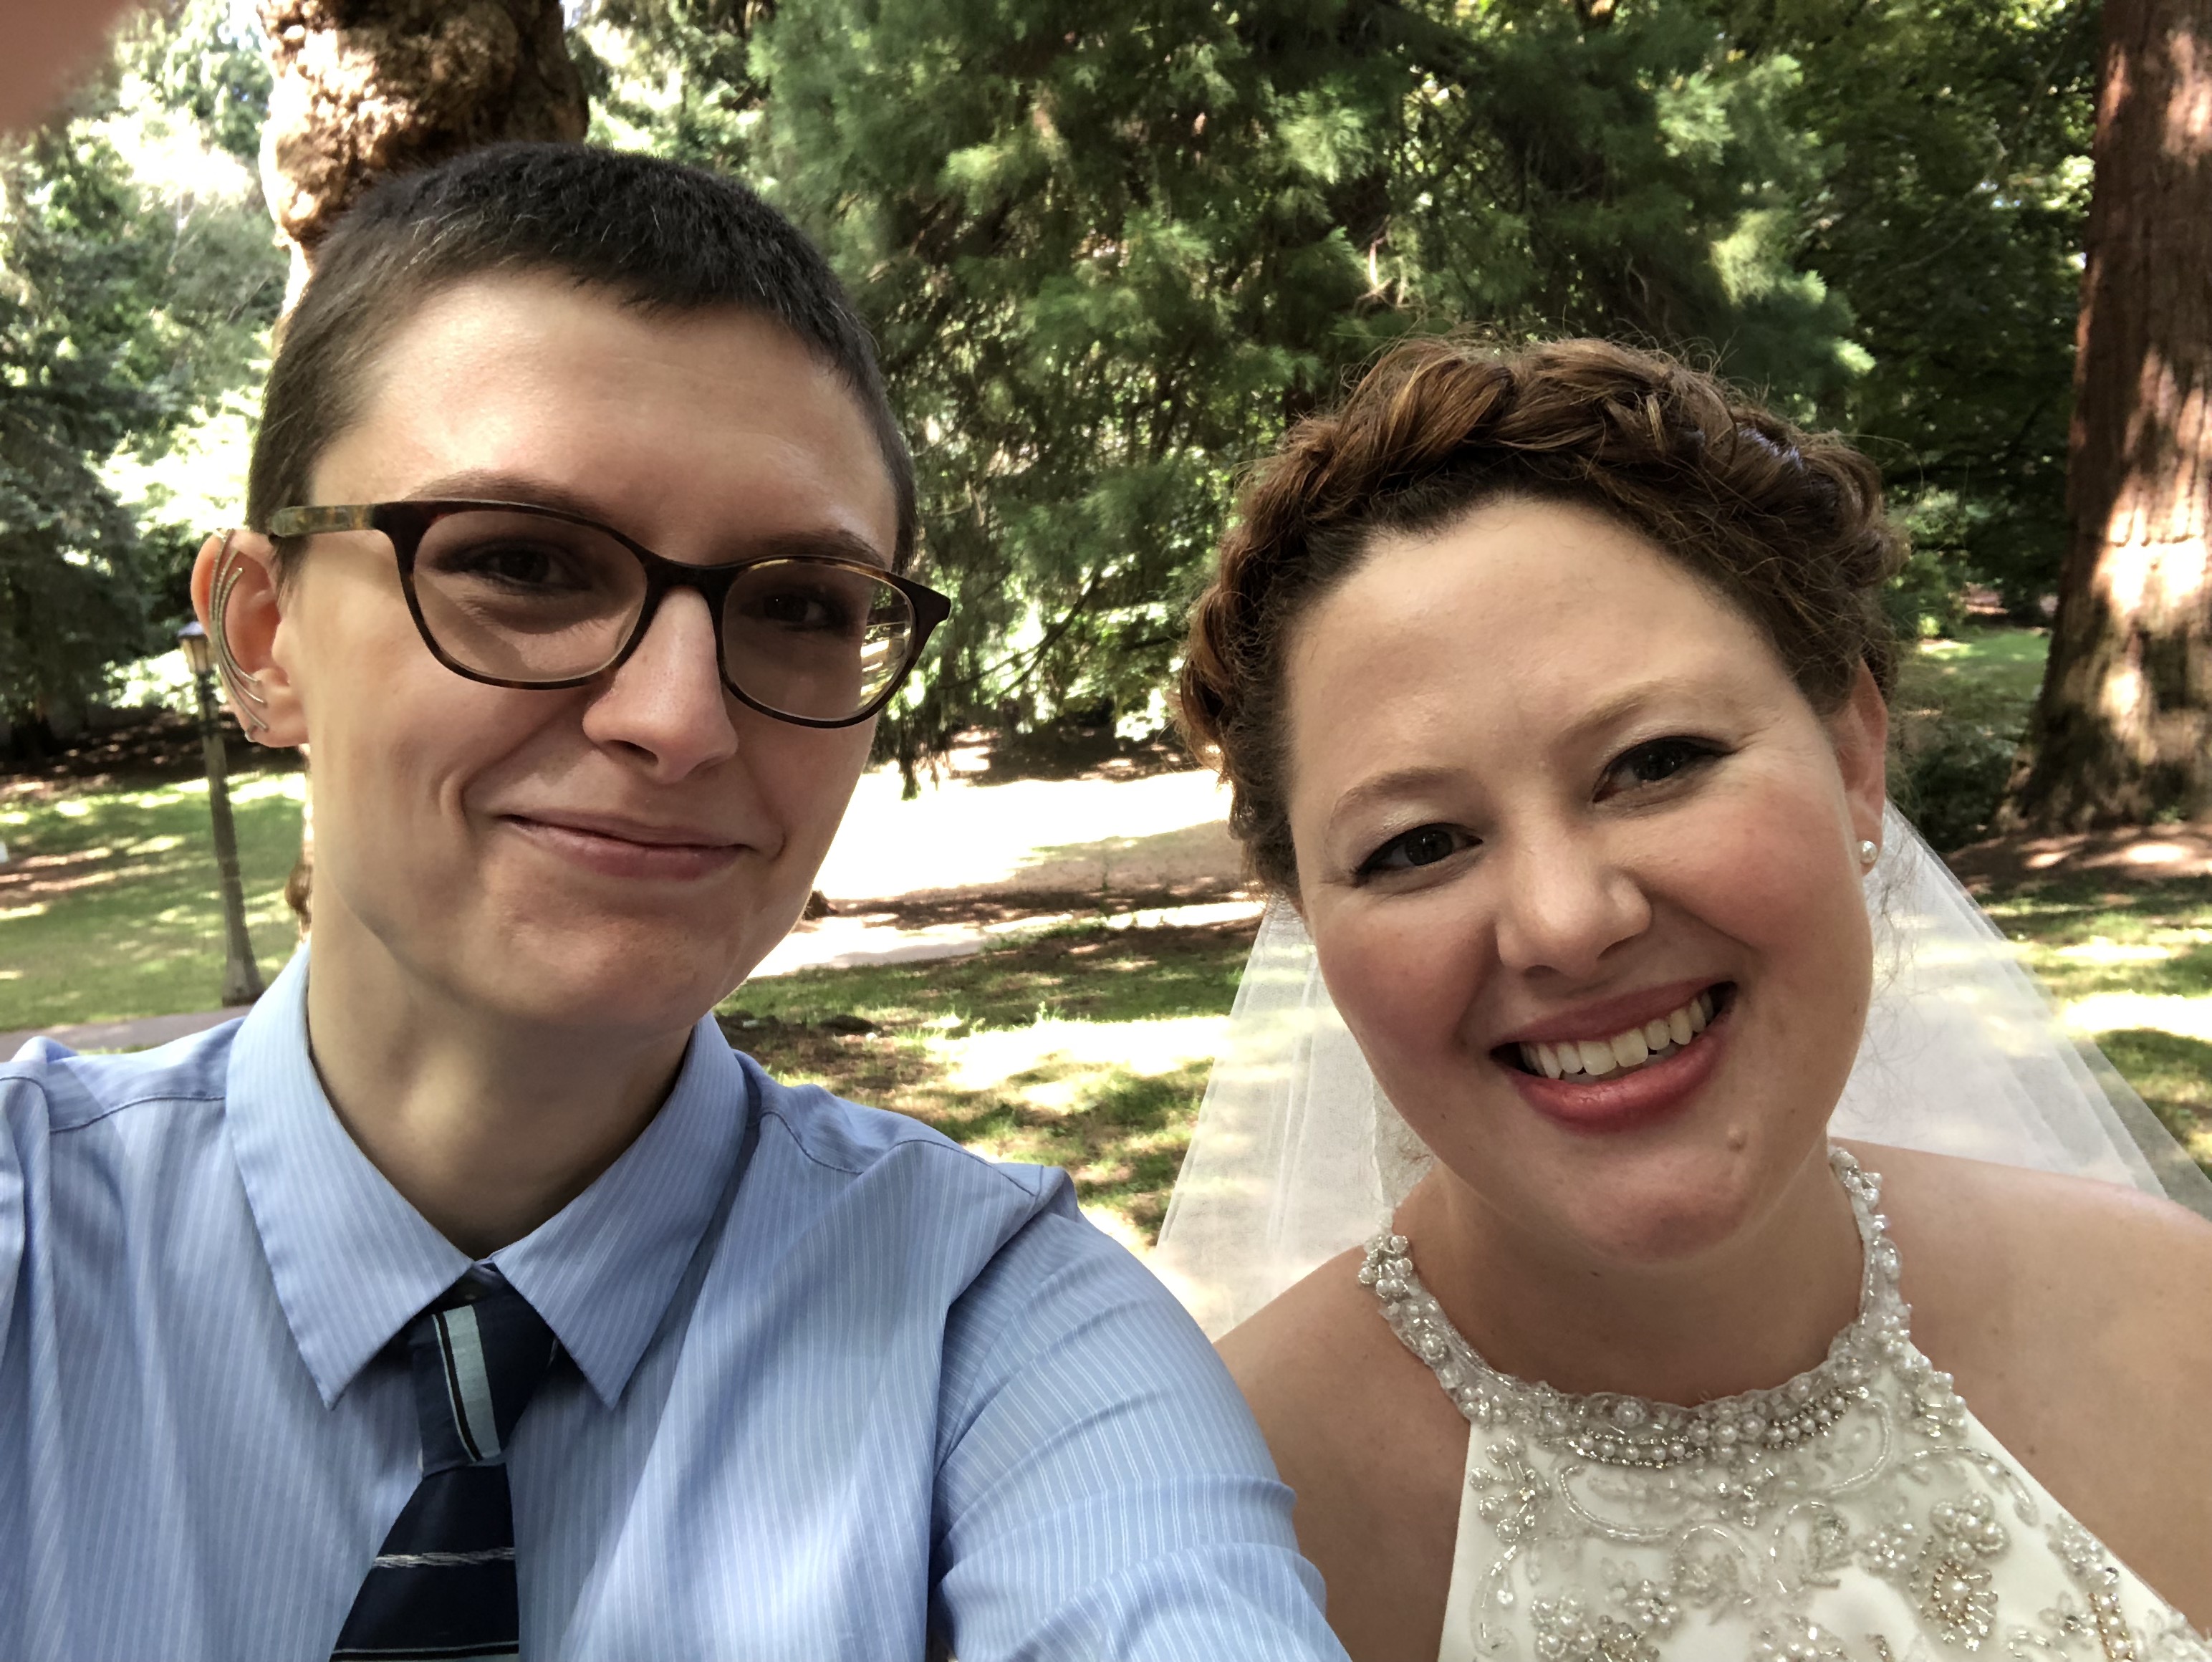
1106,255
137,284
1956,721
203,61
69,273
672,77
1110,254
1949,210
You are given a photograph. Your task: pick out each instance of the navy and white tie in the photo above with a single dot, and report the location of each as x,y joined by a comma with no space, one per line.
443,1586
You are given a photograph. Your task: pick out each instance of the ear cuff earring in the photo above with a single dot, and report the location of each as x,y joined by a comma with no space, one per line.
244,690
1870,851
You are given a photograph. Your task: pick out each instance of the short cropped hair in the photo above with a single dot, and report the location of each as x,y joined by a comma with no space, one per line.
1786,526
654,234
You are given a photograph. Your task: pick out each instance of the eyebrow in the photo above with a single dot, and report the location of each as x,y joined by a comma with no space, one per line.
1426,776
1626,703
496,485
1383,785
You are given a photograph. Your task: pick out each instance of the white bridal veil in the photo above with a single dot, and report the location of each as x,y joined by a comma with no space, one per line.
1297,1155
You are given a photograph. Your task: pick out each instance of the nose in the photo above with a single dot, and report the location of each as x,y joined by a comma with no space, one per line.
1567,903
666,706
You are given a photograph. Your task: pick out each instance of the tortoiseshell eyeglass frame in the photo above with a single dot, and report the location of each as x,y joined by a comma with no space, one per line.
404,524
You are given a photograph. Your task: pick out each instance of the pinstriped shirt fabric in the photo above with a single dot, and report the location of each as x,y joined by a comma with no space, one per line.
829,1387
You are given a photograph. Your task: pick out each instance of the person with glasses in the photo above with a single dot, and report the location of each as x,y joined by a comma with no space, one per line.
470,1296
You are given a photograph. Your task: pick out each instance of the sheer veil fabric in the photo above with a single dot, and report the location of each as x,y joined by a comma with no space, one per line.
1298,1156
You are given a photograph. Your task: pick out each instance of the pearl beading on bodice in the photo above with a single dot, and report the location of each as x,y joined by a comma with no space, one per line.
1858,1512
1632,1431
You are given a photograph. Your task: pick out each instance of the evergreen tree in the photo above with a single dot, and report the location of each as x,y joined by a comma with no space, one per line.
1948,208
2123,731
137,284
71,273
1109,255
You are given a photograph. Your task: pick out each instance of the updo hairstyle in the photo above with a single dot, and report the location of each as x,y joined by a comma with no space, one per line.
1786,526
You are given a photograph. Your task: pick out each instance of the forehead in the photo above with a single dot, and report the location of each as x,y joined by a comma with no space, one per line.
1503,627
668,425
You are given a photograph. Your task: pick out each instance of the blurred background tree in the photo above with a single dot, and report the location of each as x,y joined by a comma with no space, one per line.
2122,734
1109,254
1110,257
136,287
366,87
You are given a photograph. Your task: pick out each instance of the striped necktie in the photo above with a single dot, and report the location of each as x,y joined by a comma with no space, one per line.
443,1586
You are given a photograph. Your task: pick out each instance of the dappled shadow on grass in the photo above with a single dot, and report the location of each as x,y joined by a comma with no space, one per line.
2086,935
1119,1130
1078,971
2173,1075
163,748
110,909
933,908
1071,753
2112,949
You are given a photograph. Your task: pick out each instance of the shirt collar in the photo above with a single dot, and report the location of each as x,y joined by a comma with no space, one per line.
354,1262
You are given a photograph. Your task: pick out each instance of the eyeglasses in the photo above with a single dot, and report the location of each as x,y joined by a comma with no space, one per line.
517,595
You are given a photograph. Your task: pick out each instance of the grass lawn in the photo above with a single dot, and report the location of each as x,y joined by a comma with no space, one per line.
1988,676
109,905
1085,1047
2132,969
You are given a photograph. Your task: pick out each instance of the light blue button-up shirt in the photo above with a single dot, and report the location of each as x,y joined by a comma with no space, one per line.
833,1386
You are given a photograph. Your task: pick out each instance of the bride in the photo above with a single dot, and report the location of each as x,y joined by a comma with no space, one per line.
1552,690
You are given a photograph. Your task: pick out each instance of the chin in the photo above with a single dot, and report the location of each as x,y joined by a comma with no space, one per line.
1659,1198
610,978
1690,1197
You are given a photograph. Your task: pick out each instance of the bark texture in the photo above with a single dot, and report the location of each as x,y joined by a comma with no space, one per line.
366,87
2122,733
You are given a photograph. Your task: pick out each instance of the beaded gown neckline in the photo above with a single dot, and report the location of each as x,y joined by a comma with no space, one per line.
1856,1513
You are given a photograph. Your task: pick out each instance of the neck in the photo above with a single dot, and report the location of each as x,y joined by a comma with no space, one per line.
1761,1307
486,1123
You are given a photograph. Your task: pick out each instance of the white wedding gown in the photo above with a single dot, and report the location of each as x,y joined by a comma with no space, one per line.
1859,1512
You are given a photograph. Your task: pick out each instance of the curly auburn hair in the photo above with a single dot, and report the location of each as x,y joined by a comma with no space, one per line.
1787,526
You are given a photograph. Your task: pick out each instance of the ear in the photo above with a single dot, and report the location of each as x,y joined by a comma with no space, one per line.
234,591
1860,732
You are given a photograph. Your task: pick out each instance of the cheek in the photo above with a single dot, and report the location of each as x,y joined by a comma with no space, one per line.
1404,974
1768,874
396,740
805,776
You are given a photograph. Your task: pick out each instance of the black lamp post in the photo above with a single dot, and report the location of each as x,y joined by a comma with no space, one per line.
241,980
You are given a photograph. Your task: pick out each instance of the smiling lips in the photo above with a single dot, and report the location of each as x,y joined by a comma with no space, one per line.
620,848
1623,1052
1648,1071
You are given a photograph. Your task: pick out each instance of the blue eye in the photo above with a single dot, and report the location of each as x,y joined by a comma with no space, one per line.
1425,845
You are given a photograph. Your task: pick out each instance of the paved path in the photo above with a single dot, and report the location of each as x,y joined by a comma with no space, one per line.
141,1034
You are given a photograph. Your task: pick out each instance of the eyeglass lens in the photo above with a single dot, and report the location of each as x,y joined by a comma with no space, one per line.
520,597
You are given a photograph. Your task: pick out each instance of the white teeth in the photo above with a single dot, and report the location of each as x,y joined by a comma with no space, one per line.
1661,1036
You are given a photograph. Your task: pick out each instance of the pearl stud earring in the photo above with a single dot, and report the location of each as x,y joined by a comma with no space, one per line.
1870,851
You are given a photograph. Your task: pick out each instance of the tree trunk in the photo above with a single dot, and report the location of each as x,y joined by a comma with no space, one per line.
366,87
2123,732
